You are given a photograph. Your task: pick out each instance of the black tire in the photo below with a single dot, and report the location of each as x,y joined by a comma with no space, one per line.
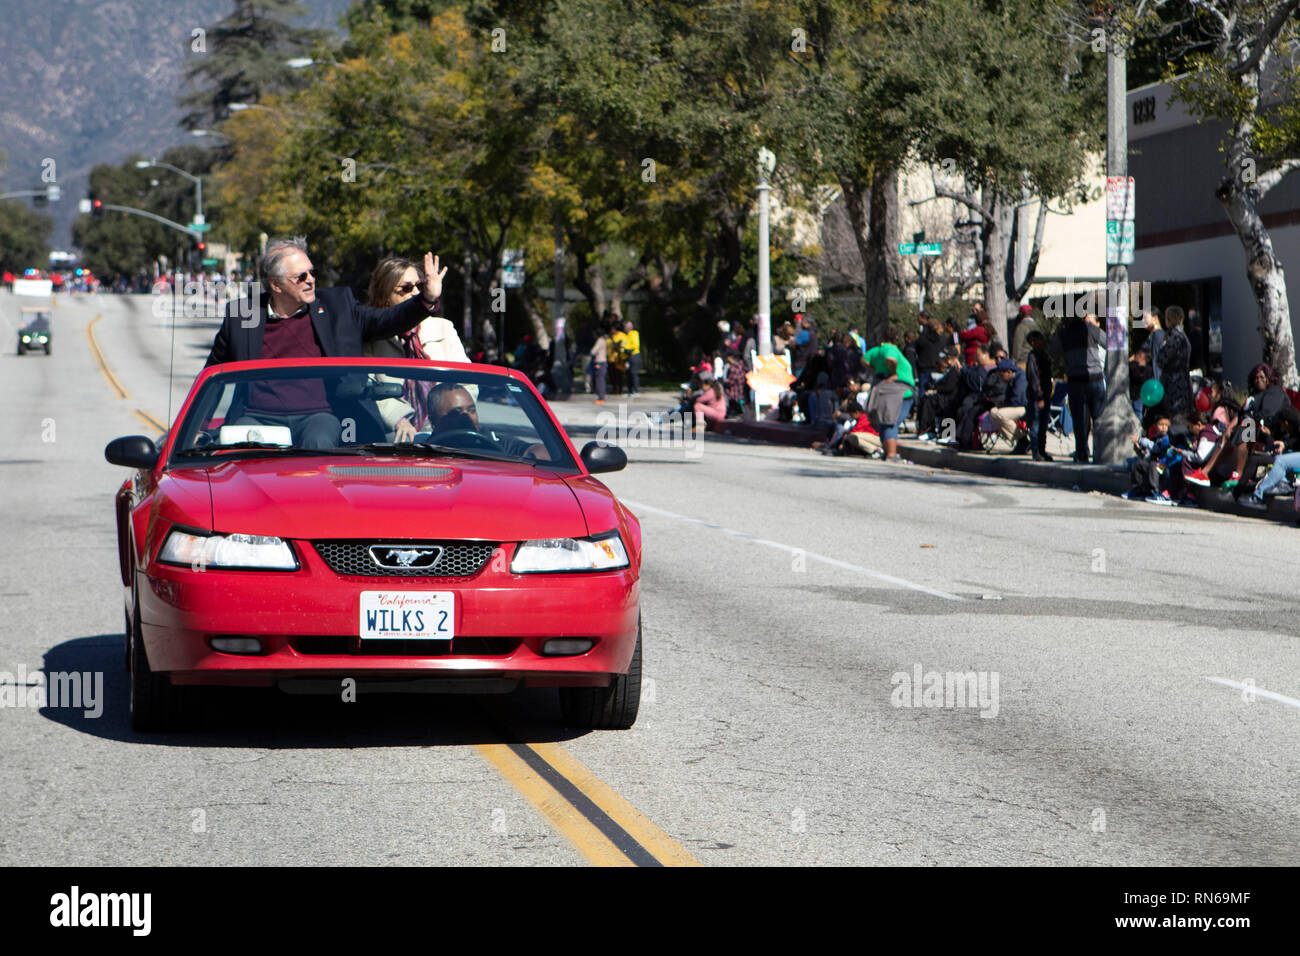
156,705
48,348
21,349
606,708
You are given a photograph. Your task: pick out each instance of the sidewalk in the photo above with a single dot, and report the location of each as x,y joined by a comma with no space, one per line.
579,417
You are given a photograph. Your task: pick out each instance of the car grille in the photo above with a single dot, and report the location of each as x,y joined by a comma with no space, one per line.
471,646
458,559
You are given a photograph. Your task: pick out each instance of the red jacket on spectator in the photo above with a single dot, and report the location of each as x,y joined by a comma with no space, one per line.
971,339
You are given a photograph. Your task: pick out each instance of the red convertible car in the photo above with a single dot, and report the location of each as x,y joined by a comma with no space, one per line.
355,525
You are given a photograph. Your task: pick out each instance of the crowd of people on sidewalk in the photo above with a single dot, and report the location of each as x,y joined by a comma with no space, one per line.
963,388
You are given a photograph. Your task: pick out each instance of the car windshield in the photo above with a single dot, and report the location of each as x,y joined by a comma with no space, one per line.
376,408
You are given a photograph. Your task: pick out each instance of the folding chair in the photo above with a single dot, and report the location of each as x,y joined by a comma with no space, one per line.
1059,422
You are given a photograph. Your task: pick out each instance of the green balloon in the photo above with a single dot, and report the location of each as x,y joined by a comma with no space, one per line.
1152,392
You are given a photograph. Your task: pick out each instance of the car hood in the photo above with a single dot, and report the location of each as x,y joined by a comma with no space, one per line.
315,498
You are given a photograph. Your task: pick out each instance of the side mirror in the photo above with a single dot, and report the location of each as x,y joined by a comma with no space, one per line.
599,457
133,451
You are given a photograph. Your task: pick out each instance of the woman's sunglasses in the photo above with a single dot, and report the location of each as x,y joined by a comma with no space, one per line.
406,287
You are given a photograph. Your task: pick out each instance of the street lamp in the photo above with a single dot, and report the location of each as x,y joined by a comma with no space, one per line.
196,180
766,164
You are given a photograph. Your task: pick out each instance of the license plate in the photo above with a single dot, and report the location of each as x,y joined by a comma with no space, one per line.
408,615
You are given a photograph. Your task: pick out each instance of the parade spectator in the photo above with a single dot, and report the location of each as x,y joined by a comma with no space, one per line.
1020,340
1174,357
1156,467
1038,392
710,407
632,346
928,346
837,356
733,385
805,343
617,351
1248,446
1286,448
1139,373
975,333
1005,392
600,362
888,361
1155,339
1082,344
938,401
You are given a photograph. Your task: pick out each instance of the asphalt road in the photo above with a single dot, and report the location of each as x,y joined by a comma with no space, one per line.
1139,668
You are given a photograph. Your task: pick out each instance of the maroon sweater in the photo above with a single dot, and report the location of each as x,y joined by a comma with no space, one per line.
291,337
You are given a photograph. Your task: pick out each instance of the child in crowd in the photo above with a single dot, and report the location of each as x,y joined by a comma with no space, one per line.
1156,472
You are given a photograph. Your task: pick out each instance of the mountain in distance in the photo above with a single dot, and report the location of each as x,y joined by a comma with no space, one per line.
84,82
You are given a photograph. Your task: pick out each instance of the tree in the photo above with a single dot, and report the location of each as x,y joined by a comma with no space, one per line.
1007,111
243,58
1244,73
119,242
656,118
24,237
842,99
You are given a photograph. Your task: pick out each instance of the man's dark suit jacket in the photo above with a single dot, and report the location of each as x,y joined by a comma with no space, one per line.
342,324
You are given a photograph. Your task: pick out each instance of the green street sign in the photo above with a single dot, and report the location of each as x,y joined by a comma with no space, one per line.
199,226
931,248
209,262
906,248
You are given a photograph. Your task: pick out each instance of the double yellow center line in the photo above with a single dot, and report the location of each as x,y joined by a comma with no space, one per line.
113,382
604,827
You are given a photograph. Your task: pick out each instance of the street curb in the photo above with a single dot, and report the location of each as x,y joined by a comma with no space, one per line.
1065,474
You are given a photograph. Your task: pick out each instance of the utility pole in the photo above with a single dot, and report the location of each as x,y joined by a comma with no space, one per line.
560,362
766,164
1111,432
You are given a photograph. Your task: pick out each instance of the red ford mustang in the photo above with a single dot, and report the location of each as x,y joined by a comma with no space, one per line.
355,525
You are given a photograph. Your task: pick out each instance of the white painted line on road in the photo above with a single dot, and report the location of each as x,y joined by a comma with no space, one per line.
789,549
1257,691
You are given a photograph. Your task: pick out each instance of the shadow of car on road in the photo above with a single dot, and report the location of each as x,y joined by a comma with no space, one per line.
267,718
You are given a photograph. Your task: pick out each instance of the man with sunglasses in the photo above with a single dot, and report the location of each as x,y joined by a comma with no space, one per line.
293,319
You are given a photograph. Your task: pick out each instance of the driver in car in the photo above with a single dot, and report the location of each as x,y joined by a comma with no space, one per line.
452,409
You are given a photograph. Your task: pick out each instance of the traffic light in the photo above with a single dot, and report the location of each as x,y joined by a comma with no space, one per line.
202,246
97,208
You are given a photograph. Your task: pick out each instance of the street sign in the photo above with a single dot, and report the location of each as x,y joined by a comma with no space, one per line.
1120,197
930,248
1120,242
512,268
199,227
208,263
907,248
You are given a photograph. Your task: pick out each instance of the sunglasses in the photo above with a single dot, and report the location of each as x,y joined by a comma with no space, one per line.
302,277
406,287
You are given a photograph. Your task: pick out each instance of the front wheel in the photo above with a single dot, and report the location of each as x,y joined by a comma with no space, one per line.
156,705
606,708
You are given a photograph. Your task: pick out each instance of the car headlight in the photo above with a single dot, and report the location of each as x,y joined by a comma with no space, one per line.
601,553
27,338
42,338
259,551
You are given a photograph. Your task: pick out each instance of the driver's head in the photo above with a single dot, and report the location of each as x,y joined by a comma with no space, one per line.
451,407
